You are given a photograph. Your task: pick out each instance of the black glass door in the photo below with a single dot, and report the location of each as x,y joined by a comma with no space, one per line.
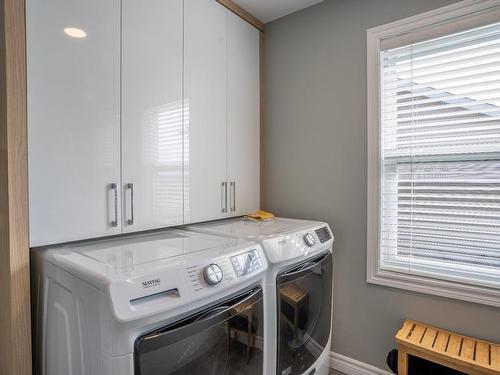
304,314
225,339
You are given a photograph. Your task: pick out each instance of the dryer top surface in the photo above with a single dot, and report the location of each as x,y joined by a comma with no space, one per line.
283,239
242,228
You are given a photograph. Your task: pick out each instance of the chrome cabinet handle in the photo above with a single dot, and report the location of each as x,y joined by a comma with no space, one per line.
232,185
223,196
234,196
114,187
131,220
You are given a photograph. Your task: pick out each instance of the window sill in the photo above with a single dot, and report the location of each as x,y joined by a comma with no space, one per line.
442,288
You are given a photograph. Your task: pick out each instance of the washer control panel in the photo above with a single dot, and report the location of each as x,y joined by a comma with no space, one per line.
225,268
246,263
213,274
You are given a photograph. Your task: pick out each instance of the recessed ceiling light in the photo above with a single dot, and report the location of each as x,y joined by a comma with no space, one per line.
75,32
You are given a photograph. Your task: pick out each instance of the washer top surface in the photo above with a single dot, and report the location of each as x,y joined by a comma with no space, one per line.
119,258
142,250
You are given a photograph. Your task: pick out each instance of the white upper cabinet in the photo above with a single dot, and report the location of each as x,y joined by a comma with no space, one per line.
142,114
205,152
73,60
152,129
243,116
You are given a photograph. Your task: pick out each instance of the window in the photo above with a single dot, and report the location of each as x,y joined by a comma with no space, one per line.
434,152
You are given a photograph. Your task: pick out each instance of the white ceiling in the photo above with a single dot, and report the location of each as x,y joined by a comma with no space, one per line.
269,10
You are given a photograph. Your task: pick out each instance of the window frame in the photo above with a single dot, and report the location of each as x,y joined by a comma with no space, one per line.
375,275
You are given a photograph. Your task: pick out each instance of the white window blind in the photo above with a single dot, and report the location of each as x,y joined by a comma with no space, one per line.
440,157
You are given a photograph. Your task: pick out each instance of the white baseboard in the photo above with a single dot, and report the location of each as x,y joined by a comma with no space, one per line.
350,366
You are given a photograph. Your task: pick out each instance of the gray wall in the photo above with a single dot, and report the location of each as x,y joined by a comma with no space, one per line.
315,166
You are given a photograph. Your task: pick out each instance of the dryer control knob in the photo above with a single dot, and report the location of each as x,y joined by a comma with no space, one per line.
213,274
309,239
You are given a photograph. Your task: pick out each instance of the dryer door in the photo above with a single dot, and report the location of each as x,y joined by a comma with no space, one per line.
223,339
304,314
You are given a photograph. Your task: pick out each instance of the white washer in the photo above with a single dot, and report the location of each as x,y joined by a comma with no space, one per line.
299,287
164,303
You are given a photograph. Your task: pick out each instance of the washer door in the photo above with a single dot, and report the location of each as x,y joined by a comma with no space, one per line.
304,314
223,339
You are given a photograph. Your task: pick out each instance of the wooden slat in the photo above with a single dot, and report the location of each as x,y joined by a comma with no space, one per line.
441,341
233,7
429,338
404,332
15,325
495,357
468,348
454,345
482,353
416,335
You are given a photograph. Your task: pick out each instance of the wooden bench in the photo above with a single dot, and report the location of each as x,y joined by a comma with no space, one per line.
465,354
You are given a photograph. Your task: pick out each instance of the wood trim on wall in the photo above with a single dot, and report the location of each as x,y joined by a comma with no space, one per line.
262,117
242,13
15,326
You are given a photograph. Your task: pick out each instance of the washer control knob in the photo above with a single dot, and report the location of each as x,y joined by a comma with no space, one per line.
213,274
309,239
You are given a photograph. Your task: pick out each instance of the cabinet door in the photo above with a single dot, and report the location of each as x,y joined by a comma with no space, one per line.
205,40
243,116
73,61
152,113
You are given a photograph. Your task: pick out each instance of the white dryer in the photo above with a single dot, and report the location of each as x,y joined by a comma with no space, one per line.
173,302
299,287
